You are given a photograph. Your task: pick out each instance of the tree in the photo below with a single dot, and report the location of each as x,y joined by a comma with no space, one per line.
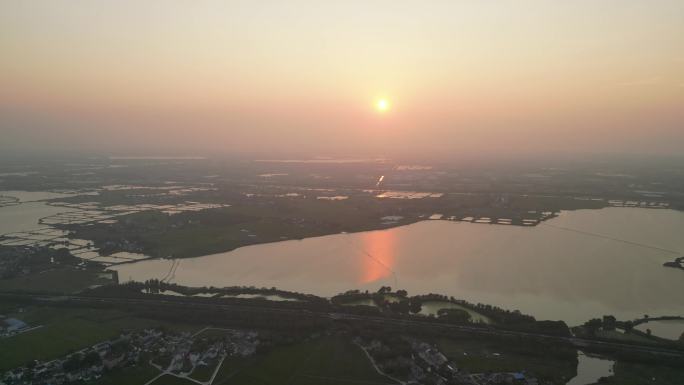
609,322
384,289
63,255
91,359
593,325
401,307
415,305
72,363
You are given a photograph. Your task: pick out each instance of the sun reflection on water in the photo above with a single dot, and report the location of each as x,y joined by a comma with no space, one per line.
379,249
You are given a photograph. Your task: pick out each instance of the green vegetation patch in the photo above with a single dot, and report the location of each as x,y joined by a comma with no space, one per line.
58,281
546,361
329,360
66,330
139,374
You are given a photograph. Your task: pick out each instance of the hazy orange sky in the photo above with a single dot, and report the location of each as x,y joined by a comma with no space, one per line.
462,76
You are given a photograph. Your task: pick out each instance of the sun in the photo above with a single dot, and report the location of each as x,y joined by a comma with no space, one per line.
382,105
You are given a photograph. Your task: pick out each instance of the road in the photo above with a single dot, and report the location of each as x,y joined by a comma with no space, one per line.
375,366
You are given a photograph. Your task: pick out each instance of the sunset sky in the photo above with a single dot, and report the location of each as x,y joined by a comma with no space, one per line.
458,76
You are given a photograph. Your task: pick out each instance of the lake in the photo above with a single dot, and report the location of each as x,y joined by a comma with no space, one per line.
551,271
25,216
669,329
33,196
590,369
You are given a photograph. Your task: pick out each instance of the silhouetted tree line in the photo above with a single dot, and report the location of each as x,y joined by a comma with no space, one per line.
134,289
400,305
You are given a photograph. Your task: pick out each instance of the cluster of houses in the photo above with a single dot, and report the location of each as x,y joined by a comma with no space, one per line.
180,353
428,366
435,368
86,364
184,353
517,378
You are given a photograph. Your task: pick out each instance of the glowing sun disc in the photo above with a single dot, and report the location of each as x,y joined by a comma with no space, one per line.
382,105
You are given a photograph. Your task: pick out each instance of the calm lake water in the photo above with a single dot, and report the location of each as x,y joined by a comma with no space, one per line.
32,196
590,369
545,271
25,216
670,329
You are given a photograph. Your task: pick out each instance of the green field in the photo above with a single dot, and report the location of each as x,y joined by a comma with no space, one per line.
66,330
136,375
330,360
229,368
478,356
59,281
